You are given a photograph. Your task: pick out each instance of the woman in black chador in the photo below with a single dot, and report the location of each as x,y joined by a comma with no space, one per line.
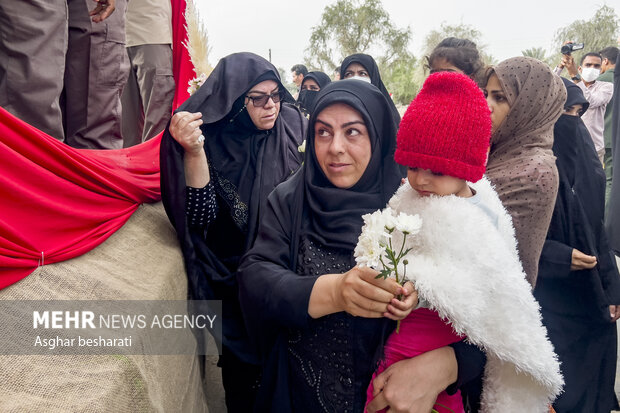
362,66
224,151
311,85
304,254
578,284
318,319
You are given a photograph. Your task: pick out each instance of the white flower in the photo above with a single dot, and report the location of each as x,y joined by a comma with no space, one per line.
389,220
408,224
302,148
368,251
375,224
373,239
195,83
382,245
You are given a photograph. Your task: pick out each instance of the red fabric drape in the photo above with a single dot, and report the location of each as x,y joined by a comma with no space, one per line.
57,202
182,66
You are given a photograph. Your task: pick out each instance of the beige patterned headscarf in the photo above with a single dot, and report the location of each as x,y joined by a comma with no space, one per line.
521,163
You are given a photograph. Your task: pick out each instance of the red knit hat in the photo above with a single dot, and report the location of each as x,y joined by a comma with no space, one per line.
447,128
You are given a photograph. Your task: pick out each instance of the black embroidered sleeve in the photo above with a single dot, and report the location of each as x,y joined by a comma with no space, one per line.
201,206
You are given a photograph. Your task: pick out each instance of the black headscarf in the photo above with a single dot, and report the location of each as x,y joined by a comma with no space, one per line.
375,78
333,216
307,97
575,96
245,165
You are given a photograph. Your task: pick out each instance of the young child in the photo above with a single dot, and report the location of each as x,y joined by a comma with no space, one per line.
464,262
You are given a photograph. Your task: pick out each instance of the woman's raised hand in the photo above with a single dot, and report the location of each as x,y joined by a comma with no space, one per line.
185,129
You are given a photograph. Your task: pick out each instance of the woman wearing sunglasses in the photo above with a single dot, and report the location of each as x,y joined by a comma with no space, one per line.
223,152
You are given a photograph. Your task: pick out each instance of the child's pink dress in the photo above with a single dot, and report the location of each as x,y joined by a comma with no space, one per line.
420,332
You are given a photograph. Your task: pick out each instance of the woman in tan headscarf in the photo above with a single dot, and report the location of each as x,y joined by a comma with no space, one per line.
525,99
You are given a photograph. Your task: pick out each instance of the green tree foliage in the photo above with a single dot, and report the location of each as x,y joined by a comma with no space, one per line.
362,26
284,76
400,79
538,53
600,31
461,31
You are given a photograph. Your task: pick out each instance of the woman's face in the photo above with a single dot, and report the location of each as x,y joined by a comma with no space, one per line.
263,117
574,110
342,144
441,64
355,69
496,99
310,84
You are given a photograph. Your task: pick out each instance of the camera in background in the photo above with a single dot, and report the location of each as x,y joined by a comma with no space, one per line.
568,48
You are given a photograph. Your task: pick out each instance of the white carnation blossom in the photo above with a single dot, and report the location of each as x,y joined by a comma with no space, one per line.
408,224
389,220
375,224
380,230
372,241
382,245
368,251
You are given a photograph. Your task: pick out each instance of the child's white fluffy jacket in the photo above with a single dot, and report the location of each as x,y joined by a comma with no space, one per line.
469,272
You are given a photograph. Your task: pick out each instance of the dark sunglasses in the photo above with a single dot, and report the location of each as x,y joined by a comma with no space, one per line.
261,100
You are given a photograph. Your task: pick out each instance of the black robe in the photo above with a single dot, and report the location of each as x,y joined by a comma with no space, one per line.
575,304
245,165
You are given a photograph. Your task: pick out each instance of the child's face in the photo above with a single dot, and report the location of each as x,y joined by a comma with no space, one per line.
426,183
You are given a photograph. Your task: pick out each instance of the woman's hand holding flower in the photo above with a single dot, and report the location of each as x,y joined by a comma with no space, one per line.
361,294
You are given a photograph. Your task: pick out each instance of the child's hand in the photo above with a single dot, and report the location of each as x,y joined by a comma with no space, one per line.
397,310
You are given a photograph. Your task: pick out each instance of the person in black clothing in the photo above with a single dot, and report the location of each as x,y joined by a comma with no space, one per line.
362,66
224,151
578,284
310,87
320,321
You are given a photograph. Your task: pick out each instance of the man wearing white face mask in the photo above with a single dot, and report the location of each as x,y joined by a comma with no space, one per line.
598,94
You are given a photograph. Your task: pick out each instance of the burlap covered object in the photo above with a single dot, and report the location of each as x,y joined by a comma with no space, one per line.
141,261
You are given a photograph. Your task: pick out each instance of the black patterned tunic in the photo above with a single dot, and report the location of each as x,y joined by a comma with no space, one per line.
331,362
201,206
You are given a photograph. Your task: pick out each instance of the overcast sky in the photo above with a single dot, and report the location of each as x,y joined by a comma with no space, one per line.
284,26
